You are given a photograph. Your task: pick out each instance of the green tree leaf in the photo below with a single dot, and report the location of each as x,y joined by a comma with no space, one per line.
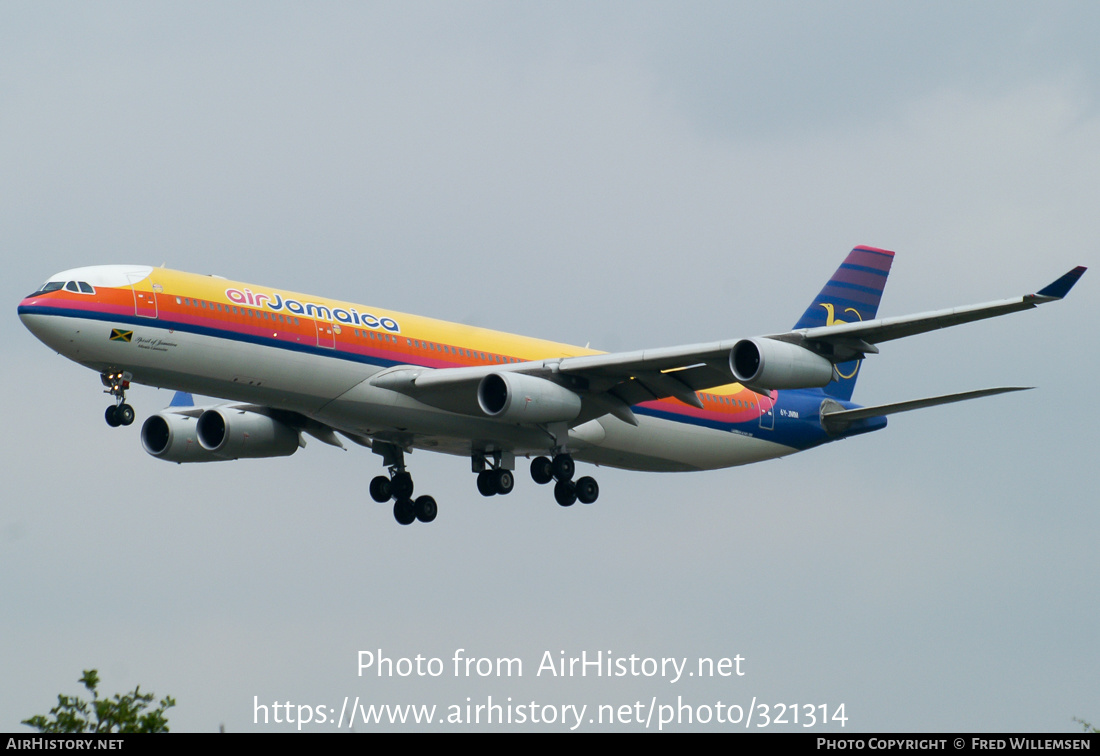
122,713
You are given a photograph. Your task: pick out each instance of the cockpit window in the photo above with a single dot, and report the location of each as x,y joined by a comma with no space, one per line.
80,287
49,286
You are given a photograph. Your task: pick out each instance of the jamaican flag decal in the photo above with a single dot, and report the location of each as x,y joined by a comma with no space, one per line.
117,334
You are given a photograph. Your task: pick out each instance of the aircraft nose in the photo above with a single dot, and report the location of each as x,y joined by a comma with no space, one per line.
26,305
31,312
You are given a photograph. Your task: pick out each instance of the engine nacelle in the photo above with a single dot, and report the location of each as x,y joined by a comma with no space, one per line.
238,434
174,438
771,364
521,398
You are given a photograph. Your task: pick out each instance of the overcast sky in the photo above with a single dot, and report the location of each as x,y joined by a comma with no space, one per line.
625,174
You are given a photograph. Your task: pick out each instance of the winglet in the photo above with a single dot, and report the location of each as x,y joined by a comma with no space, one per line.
1061,287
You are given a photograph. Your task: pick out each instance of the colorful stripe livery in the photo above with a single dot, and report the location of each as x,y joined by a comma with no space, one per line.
297,364
853,293
176,302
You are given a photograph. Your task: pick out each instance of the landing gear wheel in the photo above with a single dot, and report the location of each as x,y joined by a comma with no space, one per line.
486,484
426,509
565,493
587,490
542,470
563,467
404,511
111,416
504,481
401,486
125,414
380,489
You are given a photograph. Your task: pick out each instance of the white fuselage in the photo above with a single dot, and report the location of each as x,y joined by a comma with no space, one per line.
337,392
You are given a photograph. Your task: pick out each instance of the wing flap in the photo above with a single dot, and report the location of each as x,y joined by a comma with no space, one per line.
649,360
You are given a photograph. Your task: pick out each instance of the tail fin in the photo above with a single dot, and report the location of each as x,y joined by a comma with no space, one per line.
182,399
853,293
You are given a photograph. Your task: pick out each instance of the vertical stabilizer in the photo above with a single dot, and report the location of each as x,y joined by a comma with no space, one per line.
182,399
851,295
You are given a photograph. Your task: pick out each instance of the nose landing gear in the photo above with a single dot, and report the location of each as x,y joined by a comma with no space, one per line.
120,413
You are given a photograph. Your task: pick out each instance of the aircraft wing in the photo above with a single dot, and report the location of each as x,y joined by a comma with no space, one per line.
612,383
680,371
887,329
655,373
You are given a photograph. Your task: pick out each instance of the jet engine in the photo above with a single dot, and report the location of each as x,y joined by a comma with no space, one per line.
521,398
216,435
231,433
173,438
771,364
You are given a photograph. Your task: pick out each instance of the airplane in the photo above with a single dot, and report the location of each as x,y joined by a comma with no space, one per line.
289,365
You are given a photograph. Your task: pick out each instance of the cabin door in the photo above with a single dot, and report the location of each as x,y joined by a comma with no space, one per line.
145,302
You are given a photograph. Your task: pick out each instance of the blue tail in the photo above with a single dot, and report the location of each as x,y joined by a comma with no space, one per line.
182,399
852,294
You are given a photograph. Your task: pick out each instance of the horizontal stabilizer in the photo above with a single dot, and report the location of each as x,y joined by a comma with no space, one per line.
838,420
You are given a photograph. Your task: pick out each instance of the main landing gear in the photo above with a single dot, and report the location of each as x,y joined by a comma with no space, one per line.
566,490
119,413
495,473
399,487
495,476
